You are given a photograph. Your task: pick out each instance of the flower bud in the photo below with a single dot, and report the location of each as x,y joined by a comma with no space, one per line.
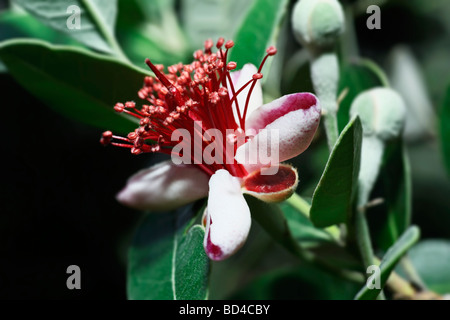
382,112
317,24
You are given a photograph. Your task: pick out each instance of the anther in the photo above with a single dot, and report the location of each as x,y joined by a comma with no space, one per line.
271,51
208,44
229,44
223,91
172,69
119,107
106,138
141,131
144,122
143,93
132,136
130,105
148,81
257,76
198,54
136,151
231,65
219,64
220,43
214,97
212,58
161,110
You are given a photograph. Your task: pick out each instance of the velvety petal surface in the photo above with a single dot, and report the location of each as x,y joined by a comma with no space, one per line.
228,217
164,186
284,128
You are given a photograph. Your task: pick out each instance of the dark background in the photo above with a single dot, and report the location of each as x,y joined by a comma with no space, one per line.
57,203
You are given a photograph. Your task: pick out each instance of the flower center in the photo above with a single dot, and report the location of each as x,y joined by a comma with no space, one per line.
200,92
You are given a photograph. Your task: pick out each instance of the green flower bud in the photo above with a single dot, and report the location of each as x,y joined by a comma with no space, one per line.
382,112
317,24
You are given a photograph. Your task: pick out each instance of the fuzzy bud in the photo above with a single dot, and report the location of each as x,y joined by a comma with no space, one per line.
317,24
382,112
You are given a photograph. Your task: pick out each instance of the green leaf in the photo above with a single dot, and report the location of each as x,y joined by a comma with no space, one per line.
150,29
98,19
272,219
389,261
302,228
297,235
333,198
445,129
431,260
154,10
166,260
357,77
396,176
139,45
80,85
258,31
14,24
211,19
317,240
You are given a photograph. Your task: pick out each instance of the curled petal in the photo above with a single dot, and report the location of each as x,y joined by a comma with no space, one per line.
284,128
272,188
164,186
240,78
228,217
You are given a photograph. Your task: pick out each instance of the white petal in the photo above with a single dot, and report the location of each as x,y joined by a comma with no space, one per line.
228,217
289,124
239,78
164,186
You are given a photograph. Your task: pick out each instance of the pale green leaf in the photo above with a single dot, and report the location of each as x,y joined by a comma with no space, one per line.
98,19
333,198
166,260
79,84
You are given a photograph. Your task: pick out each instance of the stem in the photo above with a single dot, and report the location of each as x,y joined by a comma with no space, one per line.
397,284
104,30
376,69
300,204
325,77
400,286
363,237
314,259
361,233
297,202
411,273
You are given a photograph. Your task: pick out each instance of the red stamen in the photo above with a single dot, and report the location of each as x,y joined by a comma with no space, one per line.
201,91
220,43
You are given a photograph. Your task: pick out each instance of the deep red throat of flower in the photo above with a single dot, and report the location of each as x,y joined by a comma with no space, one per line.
200,91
